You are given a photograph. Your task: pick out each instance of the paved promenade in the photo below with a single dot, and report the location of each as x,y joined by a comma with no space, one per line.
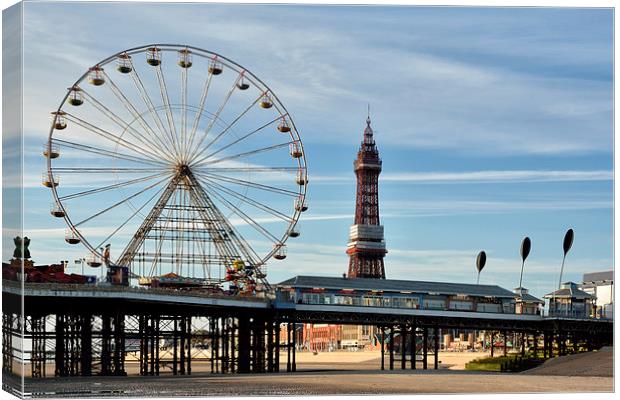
309,383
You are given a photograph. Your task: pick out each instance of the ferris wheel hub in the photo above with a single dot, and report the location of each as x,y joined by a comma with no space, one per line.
183,169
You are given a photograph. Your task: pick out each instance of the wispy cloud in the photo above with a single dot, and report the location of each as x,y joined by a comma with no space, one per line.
499,97
480,177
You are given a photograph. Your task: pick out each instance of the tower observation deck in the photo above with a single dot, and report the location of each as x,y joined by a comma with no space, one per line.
366,247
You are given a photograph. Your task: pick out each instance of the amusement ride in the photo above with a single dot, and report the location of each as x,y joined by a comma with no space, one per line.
183,159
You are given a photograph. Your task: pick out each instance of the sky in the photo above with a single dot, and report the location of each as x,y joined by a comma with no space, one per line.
493,124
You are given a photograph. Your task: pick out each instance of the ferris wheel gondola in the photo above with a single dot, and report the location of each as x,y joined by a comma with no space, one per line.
187,174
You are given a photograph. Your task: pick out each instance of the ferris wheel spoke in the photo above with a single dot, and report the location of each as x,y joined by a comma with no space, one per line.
109,187
203,99
161,145
169,117
248,169
126,127
260,128
183,111
85,170
107,153
149,104
249,220
109,136
212,184
228,127
214,118
255,185
119,203
246,154
129,218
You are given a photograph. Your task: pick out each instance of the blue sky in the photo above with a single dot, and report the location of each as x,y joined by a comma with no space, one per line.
493,124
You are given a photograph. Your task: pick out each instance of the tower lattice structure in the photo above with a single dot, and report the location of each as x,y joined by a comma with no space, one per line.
366,248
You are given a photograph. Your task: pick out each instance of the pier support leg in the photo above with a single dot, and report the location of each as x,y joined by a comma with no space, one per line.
288,347
143,344
277,355
155,344
294,366
119,345
270,347
392,347
243,360
86,356
175,346
225,345
59,353
425,353
7,342
212,346
436,339
151,341
382,348
189,345
403,345
413,344
38,356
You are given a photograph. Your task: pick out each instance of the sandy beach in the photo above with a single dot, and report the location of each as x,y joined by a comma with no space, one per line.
346,373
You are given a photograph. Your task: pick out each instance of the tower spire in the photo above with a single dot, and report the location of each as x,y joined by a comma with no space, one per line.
366,247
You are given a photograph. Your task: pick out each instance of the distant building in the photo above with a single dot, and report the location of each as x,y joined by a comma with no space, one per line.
359,337
601,286
570,301
322,337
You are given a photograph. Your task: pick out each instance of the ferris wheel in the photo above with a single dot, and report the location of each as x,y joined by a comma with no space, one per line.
180,160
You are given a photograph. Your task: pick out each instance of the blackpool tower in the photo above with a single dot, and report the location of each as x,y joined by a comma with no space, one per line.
366,247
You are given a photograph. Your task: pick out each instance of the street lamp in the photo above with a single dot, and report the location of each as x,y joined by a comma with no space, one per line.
481,260
568,243
526,246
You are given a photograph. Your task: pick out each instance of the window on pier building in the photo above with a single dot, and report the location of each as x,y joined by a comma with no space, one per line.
434,304
489,307
372,301
461,305
343,300
313,298
405,302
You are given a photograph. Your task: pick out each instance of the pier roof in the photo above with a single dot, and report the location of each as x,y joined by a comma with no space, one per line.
394,285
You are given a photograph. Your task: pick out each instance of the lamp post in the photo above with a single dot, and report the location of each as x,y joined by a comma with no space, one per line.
526,246
568,243
481,260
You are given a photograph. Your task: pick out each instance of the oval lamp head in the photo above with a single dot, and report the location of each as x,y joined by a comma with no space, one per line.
481,260
526,246
568,240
